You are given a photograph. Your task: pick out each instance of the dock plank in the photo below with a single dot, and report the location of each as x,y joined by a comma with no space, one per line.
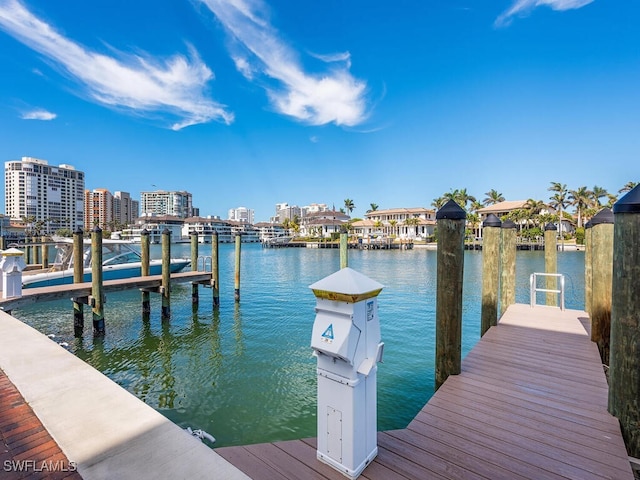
530,403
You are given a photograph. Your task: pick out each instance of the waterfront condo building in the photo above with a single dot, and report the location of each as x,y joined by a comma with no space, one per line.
98,208
45,197
178,204
125,209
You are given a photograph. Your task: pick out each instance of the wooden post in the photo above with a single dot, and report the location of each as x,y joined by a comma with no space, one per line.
450,257
507,266
588,277
344,254
624,372
144,271
166,274
97,292
45,252
36,251
194,268
491,229
28,258
236,293
3,243
78,277
551,260
602,273
215,276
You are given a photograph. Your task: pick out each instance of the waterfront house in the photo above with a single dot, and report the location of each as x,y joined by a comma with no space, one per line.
267,231
323,224
205,226
404,223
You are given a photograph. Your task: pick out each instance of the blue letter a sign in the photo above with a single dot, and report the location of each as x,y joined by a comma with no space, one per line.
328,333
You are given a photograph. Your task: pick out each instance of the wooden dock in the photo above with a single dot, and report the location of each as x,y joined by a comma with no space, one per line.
83,290
530,403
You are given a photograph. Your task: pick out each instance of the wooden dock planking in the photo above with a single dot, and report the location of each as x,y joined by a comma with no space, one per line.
78,290
530,403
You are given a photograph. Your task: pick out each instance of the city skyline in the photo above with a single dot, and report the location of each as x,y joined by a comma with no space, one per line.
255,103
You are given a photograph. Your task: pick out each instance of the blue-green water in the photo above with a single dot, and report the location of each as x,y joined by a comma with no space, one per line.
245,374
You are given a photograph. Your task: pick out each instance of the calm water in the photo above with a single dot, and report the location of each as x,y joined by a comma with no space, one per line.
245,374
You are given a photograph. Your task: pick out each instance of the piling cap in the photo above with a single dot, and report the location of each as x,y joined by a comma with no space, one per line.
451,211
603,216
144,232
166,231
550,226
12,252
492,221
630,203
346,285
97,229
588,224
78,231
508,224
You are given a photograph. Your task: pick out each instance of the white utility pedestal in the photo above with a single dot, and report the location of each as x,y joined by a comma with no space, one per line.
12,265
346,341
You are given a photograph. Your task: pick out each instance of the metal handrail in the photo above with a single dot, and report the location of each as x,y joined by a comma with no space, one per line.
533,279
204,260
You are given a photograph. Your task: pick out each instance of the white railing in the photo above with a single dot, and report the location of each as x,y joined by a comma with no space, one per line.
533,283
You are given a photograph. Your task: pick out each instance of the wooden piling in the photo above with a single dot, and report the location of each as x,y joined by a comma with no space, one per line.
78,277
36,251
194,268
166,274
145,271
97,292
215,276
450,257
491,229
44,252
507,266
551,261
237,269
588,277
624,371
602,274
3,243
344,253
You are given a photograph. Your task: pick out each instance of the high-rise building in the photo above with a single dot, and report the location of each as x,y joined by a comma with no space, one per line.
47,198
161,202
98,209
241,214
125,209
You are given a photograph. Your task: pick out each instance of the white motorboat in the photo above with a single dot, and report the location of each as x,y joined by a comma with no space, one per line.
119,260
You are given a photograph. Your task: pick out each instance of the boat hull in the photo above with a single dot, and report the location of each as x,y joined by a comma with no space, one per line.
110,272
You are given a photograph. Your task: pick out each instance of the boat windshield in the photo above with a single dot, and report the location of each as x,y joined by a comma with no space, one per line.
112,254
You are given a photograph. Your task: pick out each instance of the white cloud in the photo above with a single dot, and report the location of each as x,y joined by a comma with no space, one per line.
38,114
333,96
523,7
174,86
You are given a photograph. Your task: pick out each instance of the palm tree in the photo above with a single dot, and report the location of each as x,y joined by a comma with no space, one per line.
598,193
393,224
559,202
628,187
581,199
439,202
374,207
461,197
349,205
412,222
492,197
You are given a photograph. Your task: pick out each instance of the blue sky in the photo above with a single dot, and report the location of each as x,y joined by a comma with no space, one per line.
251,103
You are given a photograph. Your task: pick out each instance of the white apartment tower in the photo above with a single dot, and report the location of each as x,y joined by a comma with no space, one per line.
178,204
51,197
241,214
